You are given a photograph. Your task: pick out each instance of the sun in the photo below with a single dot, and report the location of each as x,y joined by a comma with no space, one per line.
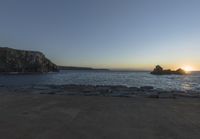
187,68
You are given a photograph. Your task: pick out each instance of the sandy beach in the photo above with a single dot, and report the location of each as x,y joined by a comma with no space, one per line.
44,116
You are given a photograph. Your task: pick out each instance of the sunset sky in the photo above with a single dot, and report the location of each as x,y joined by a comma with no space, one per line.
121,34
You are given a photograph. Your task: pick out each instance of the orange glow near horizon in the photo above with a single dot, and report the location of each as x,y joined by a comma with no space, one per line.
188,68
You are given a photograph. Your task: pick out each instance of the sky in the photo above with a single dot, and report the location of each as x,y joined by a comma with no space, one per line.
116,34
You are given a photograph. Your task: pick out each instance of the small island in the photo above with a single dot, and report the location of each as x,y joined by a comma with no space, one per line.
158,70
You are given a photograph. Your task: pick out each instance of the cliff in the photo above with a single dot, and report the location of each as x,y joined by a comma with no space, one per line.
12,60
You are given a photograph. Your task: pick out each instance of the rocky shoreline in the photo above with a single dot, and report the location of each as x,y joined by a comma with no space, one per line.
99,90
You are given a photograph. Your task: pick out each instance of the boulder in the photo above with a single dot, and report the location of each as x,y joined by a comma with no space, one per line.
146,88
21,61
134,88
180,71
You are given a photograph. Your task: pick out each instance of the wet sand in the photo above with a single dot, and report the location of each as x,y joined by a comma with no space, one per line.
43,116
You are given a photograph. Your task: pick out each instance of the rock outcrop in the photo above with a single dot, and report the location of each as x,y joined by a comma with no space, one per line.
158,70
12,60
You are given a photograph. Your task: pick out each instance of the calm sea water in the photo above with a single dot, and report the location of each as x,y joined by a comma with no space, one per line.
131,79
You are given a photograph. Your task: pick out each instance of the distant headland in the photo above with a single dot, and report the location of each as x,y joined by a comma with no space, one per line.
22,61
158,70
80,68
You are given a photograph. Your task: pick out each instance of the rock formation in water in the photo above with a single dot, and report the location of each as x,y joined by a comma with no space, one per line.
12,60
158,70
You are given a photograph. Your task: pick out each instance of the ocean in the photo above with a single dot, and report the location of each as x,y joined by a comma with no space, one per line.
127,78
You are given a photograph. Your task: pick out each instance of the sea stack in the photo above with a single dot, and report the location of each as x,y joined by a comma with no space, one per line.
21,61
158,70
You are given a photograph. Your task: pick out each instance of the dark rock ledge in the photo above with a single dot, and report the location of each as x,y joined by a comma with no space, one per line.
100,90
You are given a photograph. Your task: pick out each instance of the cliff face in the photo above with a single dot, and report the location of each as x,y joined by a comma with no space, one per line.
12,60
